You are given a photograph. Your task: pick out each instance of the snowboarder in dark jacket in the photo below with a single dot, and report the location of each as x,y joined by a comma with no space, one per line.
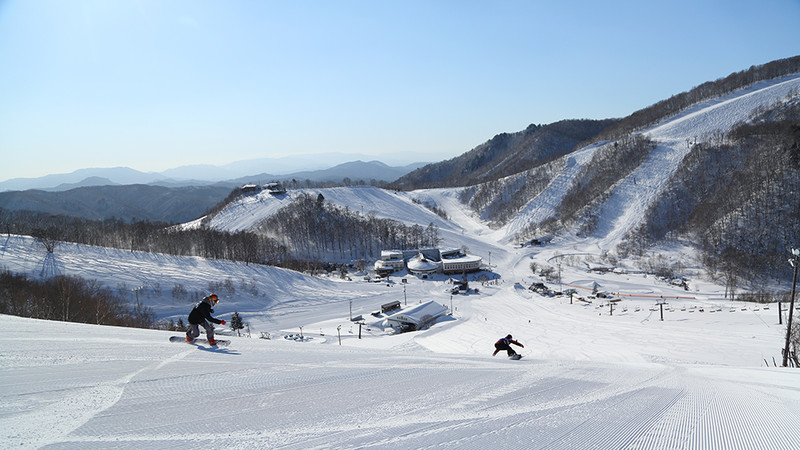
201,315
505,344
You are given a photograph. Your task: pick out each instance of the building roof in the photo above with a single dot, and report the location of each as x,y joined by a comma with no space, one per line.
462,259
416,313
391,254
422,264
456,255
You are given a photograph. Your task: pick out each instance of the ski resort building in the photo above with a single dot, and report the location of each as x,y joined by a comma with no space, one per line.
250,189
456,261
391,260
417,317
420,265
427,261
275,188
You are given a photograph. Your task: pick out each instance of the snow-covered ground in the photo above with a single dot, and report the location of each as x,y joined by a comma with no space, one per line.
704,377
81,386
701,378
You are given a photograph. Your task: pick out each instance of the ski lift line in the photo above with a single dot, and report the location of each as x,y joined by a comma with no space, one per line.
570,254
639,295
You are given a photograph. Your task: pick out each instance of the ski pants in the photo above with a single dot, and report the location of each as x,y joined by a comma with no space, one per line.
194,330
500,346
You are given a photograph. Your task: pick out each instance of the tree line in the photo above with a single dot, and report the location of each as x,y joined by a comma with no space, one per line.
609,164
309,229
152,237
69,299
500,200
711,89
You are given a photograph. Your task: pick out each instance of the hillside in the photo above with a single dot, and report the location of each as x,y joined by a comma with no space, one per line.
609,193
624,197
505,154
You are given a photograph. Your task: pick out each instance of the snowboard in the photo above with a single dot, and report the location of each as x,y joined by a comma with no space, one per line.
220,342
515,357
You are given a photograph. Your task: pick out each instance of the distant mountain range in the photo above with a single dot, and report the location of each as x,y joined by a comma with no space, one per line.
127,194
126,202
300,168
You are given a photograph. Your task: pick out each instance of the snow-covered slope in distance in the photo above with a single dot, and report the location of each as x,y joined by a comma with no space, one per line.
629,200
249,211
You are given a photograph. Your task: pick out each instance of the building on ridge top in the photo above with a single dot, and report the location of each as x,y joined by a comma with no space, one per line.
275,188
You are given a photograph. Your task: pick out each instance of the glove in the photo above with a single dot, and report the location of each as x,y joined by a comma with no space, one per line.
222,322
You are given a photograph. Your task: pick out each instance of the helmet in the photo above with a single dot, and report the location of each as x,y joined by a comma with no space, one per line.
509,337
213,298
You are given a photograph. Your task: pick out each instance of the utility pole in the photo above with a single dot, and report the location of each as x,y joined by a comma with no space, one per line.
560,288
138,305
794,261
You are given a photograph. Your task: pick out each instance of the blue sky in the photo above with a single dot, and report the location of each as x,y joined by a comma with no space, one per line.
154,85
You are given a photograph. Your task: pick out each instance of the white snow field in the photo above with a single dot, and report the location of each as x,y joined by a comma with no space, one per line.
704,377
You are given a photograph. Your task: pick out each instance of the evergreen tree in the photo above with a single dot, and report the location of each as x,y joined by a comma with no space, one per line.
236,323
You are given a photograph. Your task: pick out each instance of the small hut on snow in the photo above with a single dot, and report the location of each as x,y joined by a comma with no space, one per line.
417,317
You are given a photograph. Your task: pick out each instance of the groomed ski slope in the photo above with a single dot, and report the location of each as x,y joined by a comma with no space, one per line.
81,386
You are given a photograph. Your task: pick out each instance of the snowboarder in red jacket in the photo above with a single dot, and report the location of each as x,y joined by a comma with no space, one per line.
505,344
201,315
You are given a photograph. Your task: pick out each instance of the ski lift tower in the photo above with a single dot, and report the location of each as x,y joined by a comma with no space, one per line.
661,302
794,260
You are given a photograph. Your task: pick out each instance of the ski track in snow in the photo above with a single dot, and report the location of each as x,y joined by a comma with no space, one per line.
270,394
629,200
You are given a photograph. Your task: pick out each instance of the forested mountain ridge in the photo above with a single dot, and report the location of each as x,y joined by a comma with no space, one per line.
512,153
663,109
505,154
736,197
